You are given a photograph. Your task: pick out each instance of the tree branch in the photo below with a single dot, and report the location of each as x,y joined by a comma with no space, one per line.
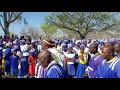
2,26
15,17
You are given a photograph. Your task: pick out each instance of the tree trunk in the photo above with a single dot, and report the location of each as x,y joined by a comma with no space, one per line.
6,29
6,24
80,35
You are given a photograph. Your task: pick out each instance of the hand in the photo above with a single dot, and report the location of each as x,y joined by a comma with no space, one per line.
81,51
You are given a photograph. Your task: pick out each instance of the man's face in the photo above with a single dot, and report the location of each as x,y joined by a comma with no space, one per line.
92,49
106,53
78,44
42,62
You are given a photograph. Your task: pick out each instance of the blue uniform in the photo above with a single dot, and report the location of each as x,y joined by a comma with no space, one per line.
7,62
14,65
56,71
109,69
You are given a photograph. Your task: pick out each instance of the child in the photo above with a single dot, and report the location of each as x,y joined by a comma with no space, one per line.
83,57
70,59
31,61
14,59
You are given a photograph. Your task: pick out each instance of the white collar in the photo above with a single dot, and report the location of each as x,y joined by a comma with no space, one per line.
53,62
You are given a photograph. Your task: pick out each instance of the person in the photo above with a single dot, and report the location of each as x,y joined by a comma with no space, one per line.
70,59
25,51
47,44
31,61
77,47
53,69
56,54
95,60
7,55
14,60
117,50
83,59
110,67
1,56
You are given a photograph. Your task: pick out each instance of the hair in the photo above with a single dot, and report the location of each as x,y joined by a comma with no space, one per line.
45,54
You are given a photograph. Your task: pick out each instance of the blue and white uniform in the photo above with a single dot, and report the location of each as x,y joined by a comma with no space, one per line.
54,70
110,69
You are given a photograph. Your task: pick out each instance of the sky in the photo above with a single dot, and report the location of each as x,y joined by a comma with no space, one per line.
34,19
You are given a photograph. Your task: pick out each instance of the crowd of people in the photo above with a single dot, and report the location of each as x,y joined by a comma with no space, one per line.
26,57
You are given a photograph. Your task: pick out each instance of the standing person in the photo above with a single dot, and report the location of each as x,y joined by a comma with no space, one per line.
117,50
14,59
83,59
7,55
95,60
70,59
54,70
25,51
110,68
31,61
56,54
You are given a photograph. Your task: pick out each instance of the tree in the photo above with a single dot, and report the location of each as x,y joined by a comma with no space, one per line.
48,29
83,22
6,18
30,31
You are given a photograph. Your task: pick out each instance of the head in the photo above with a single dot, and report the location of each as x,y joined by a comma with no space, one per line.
14,52
108,52
93,48
82,48
85,43
44,58
70,49
117,48
78,43
107,44
47,44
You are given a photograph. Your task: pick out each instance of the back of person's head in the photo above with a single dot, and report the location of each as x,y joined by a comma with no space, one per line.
45,58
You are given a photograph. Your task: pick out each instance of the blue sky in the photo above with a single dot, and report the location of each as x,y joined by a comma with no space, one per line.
33,18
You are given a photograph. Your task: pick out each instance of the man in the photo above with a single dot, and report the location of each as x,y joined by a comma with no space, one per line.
110,68
6,58
95,60
56,54
53,69
117,50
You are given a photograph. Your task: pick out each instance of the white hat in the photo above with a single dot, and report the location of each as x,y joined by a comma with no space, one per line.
14,42
77,41
8,44
33,41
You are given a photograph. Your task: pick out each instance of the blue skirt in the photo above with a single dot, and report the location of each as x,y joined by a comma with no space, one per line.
80,71
71,69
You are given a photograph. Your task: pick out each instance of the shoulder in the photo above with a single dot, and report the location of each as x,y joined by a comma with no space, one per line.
117,64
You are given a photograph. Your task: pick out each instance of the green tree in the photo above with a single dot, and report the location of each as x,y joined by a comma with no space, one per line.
6,18
48,29
83,22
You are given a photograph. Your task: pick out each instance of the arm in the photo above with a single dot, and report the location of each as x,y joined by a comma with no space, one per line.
69,59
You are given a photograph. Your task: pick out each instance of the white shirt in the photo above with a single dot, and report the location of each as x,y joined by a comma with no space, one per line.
70,55
39,47
23,49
